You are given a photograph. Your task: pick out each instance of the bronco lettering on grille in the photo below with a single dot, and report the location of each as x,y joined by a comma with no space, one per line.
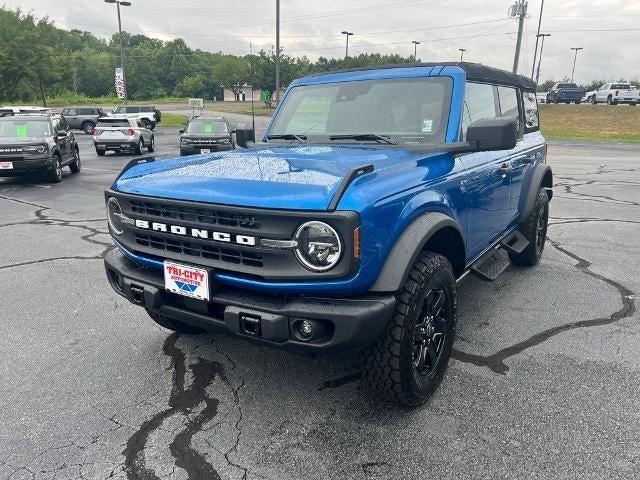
197,233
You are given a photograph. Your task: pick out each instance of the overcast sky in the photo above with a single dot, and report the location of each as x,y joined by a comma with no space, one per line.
608,30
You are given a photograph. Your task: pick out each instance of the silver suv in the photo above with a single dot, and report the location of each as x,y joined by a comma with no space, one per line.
84,118
119,134
149,115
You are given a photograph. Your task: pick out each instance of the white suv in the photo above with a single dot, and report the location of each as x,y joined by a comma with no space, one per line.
118,134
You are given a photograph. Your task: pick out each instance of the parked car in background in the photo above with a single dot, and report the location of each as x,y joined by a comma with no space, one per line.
119,134
37,144
149,115
564,92
16,110
614,93
205,135
541,97
83,118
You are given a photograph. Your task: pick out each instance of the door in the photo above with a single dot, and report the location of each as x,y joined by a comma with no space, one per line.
487,183
601,94
63,137
71,115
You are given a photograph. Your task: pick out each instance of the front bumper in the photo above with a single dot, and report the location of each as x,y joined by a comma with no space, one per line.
25,166
344,324
197,149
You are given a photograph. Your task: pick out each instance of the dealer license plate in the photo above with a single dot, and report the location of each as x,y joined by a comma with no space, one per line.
6,165
186,280
205,150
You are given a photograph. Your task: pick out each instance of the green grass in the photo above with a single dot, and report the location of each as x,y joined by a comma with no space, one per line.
241,107
591,122
173,120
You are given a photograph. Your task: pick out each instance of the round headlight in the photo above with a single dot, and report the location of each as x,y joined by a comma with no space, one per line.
114,216
41,148
319,246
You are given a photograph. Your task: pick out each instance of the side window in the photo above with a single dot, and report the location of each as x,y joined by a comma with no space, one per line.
133,110
479,103
509,104
531,119
64,126
70,112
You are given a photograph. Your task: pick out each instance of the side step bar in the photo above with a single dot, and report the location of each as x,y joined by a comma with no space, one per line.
495,261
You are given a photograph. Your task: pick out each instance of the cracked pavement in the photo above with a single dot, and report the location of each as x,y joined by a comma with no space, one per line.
544,382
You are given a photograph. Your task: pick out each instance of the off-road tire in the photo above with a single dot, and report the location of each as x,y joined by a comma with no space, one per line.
139,147
389,366
55,175
87,127
534,228
76,165
173,324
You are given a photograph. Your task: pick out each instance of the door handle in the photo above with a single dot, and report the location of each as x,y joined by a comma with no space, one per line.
505,169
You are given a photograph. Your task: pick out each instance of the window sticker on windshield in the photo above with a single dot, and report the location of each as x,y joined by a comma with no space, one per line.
427,126
21,130
208,128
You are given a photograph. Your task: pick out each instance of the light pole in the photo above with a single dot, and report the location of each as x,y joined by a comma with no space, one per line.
462,50
277,51
124,75
537,39
543,36
348,34
575,57
415,50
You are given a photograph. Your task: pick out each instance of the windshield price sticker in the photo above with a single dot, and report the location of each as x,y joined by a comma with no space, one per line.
186,280
21,130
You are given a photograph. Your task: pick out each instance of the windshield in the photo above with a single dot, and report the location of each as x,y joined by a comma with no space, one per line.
25,128
208,127
411,110
621,86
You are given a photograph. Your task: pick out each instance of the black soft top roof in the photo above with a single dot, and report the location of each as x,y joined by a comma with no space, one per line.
475,72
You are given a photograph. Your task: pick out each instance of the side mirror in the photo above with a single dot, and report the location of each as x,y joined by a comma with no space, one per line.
62,134
496,133
244,137
181,130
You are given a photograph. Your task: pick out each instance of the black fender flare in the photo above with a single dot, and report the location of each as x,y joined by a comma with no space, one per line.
542,177
408,247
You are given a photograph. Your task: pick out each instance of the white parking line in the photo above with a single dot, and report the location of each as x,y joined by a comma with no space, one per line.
100,170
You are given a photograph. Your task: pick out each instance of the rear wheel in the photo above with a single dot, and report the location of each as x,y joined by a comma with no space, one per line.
610,100
55,176
76,165
408,362
139,147
534,228
173,324
87,127
152,145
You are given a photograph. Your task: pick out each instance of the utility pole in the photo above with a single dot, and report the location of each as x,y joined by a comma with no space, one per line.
348,34
519,9
415,50
124,75
543,36
575,57
462,50
277,51
537,39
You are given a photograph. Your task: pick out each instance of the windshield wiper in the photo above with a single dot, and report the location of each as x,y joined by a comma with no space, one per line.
288,136
364,136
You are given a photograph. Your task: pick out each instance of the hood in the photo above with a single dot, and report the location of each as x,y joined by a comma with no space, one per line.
300,177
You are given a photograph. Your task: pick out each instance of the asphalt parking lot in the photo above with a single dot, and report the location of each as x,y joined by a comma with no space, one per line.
544,382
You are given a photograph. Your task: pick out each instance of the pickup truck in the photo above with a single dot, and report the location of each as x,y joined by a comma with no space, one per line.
149,115
371,195
564,93
614,93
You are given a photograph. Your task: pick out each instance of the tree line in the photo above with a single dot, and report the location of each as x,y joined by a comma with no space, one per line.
37,58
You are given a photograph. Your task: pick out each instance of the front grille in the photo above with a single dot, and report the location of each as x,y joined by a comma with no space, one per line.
192,249
195,214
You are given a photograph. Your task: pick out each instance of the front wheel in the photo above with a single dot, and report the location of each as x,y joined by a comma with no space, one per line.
76,165
534,228
55,176
408,362
147,124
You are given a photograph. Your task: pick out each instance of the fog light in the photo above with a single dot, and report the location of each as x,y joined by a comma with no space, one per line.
305,329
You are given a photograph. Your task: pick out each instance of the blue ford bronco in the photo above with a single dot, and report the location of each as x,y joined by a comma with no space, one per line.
373,192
